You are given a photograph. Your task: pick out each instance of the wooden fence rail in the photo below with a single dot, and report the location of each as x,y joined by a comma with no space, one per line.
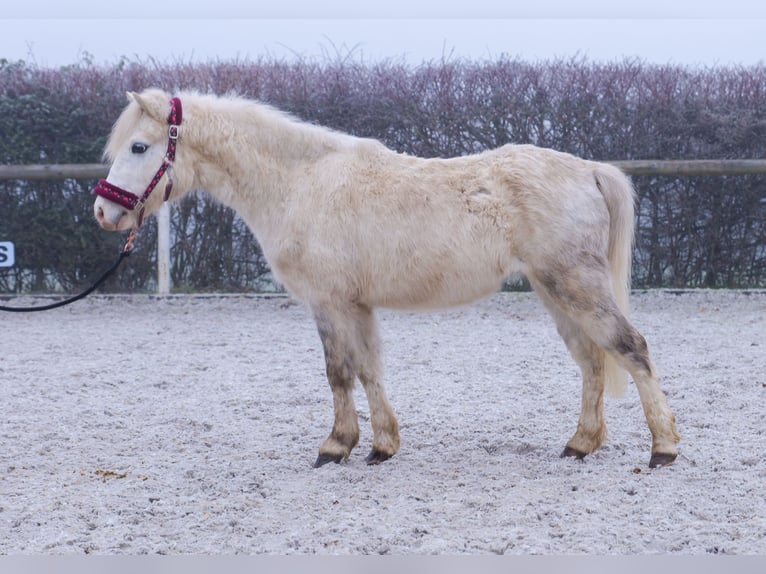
704,167
633,167
692,167
54,171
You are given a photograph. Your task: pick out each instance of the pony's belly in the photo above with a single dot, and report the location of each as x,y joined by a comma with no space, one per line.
437,292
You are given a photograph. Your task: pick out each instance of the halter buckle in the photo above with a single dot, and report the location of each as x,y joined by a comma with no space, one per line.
173,131
129,243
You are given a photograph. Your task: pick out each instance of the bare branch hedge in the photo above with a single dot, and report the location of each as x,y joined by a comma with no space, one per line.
692,231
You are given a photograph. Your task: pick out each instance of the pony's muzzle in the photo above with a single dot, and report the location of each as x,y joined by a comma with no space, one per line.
111,217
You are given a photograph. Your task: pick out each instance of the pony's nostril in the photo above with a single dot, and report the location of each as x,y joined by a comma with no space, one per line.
107,219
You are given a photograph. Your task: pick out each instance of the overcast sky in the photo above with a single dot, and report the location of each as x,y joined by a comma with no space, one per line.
659,31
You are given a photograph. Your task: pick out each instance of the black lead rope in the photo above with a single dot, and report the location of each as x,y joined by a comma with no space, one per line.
125,252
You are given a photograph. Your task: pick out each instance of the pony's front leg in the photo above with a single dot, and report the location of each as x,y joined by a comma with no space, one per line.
340,375
385,428
352,348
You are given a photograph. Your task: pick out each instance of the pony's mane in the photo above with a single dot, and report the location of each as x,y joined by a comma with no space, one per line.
276,126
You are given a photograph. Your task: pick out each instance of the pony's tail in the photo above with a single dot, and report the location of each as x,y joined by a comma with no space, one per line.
618,193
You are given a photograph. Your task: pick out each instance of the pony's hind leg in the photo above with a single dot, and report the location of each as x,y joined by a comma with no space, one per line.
352,348
585,296
632,352
591,427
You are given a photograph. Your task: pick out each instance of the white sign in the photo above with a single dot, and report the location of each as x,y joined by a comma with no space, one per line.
7,255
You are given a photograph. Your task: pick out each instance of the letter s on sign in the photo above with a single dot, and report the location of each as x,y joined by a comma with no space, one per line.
7,258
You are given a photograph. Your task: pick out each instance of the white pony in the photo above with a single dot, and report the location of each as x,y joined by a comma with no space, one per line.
348,225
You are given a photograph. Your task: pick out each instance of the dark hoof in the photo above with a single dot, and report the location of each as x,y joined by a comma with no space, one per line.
323,459
660,459
376,457
571,452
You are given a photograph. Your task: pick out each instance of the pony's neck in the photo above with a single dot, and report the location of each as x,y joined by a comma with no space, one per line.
246,151
253,158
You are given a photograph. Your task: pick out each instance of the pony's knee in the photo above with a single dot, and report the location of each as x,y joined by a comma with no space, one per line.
340,372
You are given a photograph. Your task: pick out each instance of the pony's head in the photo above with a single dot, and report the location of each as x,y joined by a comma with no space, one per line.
142,150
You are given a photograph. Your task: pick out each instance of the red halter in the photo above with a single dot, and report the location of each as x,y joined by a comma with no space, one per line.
130,200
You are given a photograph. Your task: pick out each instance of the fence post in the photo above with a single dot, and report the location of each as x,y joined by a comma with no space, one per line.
163,250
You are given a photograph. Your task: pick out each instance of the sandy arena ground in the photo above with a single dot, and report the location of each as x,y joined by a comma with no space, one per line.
189,424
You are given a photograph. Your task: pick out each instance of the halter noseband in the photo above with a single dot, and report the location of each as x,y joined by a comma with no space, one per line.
130,200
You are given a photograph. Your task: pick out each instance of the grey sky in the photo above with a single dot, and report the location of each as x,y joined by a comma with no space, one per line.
661,32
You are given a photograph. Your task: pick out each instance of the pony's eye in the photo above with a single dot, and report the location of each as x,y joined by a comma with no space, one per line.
139,148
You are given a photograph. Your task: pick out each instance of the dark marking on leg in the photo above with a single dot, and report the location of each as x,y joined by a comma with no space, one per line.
550,285
341,376
631,344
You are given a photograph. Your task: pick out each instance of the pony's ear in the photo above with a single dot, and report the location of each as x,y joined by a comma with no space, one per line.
143,104
152,102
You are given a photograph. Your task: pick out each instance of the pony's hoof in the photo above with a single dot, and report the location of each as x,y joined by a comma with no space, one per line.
376,457
573,452
323,459
660,459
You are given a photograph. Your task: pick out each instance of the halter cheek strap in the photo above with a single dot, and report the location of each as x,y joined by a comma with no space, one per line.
130,200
